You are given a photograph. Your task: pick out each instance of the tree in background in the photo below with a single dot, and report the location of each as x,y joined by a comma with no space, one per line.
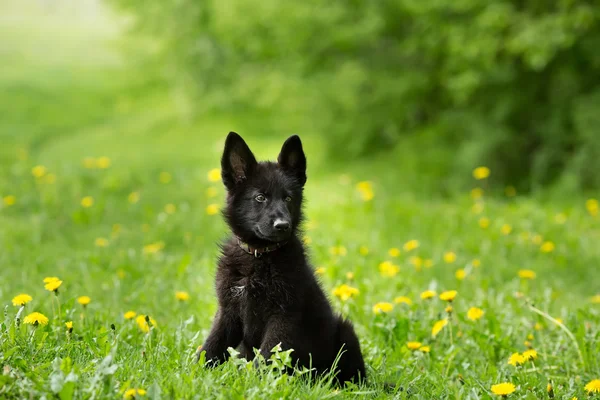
513,84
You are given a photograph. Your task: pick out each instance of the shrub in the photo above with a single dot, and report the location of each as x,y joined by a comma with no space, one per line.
511,84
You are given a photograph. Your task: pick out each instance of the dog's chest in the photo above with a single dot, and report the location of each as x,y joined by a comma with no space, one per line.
259,295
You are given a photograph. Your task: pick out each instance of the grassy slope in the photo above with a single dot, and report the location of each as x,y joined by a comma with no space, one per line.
67,93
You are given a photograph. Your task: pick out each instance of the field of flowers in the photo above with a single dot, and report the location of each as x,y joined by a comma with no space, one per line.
109,224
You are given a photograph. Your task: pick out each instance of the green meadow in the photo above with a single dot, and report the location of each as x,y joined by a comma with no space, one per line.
109,184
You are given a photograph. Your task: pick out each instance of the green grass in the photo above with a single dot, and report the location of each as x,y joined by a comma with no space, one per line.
62,106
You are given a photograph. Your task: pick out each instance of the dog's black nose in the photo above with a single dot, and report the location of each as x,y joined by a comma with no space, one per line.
281,225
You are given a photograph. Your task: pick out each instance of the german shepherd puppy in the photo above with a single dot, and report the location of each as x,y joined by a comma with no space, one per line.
267,292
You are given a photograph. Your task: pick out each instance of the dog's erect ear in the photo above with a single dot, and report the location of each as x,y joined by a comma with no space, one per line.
292,158
237,162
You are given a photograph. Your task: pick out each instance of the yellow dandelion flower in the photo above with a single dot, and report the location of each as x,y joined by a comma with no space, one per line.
449,309
165,177
559,320
365,189
475,313
484,222
9,200
388,269
170,208
383,307
310,225
413,345
510,191
476,193
547,247
438,326
525,236
320,271
503,389
182,296
350,275
530,354
101,242
153,248
550,390
560,218
394,252
593,386
480,173
592,207
143,324
21,299
338,251
526,274
39,171
425,349
449,257
449,295
84,300
506,229
460,274
130,394
103,162
35,319
530,336
411,245
403,300
212,209
428,263
516,359
129,315
428,294
211,192
116,229
477,208
87,202
53,285
538,326
476,263
69,325
416,261
345,292
50,279
133,197
595,299
364,185
363,250
214,175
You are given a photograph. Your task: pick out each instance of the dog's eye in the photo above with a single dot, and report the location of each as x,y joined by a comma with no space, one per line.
288,199
260,198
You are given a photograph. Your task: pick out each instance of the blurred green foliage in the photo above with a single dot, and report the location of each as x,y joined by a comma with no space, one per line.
511,84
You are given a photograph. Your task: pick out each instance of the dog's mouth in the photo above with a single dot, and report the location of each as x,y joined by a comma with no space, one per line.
278,237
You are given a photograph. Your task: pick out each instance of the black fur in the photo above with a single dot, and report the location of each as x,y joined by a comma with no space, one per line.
274,298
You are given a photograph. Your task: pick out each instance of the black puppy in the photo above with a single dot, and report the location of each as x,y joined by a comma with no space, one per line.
266,289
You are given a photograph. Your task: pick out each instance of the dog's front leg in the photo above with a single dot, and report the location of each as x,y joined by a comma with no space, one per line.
278,331
225,332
